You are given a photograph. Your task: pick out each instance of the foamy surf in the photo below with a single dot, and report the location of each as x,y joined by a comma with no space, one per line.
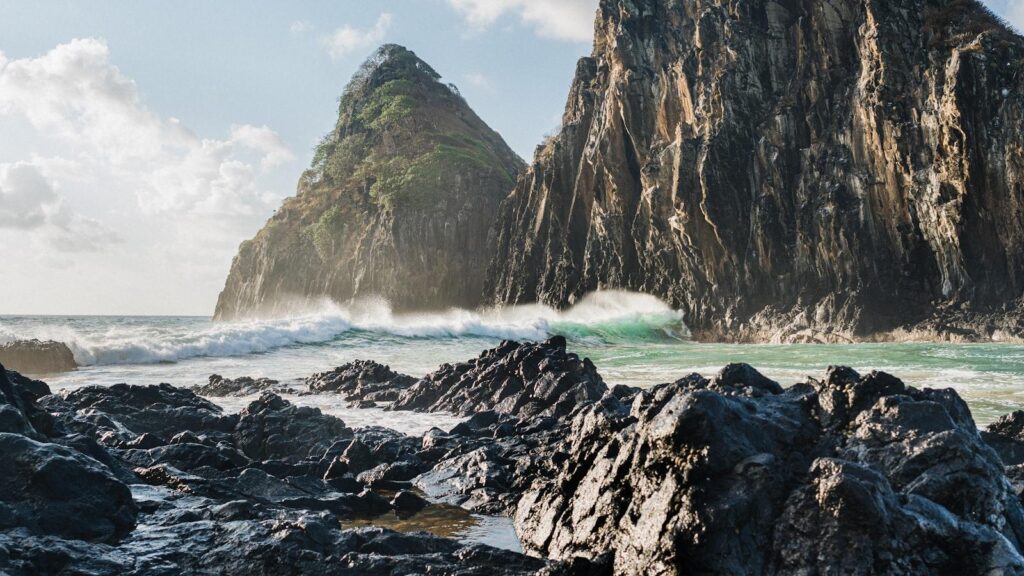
600,317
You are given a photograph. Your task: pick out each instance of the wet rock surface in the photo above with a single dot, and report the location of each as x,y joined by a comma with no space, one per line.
38,357
221,387
733,474
520,380
361,381
145,480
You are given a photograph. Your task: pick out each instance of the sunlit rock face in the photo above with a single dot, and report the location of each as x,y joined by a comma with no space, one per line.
790,170
399,203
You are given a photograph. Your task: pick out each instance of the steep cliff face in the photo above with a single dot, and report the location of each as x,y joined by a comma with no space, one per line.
400,202
785,169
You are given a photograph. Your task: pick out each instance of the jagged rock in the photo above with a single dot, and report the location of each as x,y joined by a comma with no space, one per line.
785,171
274,429
187,456
851,475
400,202
219,387
362,380
54,490
19,410
118,414
1006,436
36,357
518,379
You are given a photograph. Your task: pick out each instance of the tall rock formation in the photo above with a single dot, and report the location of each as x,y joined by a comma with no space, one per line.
400,202
785,169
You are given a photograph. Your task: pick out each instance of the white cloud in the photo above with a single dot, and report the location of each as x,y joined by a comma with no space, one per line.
85,158
300,27
74,93
479,80
571,20
30,203
347,40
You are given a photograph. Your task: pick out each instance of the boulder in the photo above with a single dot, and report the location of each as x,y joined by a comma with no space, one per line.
54,490
525,380
273,428
361,381
118,414
37,357
219,387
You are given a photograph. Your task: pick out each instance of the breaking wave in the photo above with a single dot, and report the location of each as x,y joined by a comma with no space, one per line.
608,316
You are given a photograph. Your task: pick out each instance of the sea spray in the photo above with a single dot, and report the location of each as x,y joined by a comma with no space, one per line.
602,317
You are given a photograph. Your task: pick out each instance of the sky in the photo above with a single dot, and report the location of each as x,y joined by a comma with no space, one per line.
141,142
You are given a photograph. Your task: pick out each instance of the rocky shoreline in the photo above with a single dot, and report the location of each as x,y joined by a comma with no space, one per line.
849,474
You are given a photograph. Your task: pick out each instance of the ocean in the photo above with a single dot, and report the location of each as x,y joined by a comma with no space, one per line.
633,339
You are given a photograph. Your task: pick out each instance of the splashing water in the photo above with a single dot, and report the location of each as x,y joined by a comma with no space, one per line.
633,338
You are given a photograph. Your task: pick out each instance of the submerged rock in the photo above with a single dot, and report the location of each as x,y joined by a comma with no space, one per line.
37,357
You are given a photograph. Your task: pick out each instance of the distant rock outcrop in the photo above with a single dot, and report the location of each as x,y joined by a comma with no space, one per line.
400,202
37,357
785,170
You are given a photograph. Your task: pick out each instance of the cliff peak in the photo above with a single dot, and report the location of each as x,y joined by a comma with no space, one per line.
399,201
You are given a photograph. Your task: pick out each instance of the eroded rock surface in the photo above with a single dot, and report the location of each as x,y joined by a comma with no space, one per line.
785,171
220,387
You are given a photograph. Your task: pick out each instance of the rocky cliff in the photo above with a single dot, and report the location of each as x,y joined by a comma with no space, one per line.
400,202
785,170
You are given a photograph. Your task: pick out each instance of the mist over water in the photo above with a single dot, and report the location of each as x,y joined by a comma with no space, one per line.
634,339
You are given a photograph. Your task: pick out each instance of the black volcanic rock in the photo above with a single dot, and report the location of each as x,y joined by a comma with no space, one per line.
785,171
361,380
518,379
400,202
852,475
37,357
119,413
1006,436
274,429
54,490
19,411
219,387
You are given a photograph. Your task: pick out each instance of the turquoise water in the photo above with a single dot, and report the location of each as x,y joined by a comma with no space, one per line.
633,339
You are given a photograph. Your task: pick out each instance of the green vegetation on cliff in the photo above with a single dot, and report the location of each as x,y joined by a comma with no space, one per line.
399,200
401,134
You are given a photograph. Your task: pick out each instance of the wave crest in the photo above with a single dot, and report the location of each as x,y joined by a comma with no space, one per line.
608,316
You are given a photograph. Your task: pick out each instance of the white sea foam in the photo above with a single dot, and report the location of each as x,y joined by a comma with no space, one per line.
602,316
